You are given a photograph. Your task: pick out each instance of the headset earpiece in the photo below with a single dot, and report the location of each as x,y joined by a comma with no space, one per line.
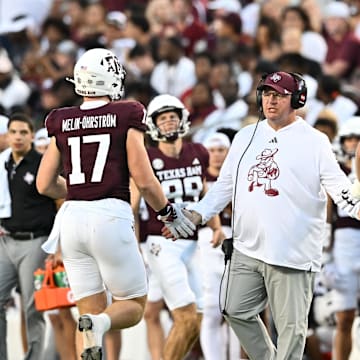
298,98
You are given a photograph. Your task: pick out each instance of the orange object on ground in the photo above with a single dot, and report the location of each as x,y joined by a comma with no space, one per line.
50,296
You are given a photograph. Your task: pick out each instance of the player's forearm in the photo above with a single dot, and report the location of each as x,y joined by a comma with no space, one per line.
214,223
153,194
56,189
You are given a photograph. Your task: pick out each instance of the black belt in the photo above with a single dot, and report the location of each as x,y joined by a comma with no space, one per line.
27,235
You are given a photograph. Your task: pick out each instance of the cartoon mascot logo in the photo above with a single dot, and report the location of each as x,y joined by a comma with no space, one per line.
264,172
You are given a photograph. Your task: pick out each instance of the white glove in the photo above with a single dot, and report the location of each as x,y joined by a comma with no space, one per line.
349,203
173,216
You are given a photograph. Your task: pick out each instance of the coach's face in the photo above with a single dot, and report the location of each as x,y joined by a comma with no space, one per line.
20,137
277,107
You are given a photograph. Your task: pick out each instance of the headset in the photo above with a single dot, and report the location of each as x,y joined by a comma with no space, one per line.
298,97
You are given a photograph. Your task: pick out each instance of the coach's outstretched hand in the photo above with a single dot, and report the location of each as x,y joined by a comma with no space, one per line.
177,224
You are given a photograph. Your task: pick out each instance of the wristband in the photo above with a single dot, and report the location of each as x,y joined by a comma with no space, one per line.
165,210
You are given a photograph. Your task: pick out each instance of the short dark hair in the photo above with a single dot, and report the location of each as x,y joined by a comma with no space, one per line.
21,117
141,22
323,121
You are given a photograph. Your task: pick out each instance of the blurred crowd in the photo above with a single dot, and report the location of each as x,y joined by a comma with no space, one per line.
210,54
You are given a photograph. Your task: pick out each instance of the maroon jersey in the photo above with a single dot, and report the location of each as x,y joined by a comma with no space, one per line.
225,215
93,148
181,178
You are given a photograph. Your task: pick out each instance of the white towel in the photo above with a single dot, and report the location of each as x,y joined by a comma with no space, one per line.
51,244
5,198
111,206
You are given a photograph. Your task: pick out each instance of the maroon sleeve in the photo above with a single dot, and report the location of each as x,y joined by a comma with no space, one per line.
138,116
50,123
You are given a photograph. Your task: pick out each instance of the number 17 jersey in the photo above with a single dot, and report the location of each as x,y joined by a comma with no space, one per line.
92,144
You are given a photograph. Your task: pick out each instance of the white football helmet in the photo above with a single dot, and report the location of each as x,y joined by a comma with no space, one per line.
98,72
164,103
350,128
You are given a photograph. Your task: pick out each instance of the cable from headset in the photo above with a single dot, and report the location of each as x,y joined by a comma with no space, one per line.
227,245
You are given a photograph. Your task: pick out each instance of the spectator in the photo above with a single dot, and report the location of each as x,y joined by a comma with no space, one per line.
175,73
114,35
201,104
140,63
140,91
267,39
46,69
94,24
230,116
73,16
204,61
246,59
54,31
329,95
297,17
229,26
138,29
18,36
313,9
220,70
159,14
193,32
13,91
343,54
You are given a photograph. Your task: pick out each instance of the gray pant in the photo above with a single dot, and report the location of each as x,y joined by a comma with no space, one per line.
18,261
252,285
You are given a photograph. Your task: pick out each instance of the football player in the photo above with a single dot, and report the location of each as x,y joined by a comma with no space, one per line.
97,145
346,251
180,168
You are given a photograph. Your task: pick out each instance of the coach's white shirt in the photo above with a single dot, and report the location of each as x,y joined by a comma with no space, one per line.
286,229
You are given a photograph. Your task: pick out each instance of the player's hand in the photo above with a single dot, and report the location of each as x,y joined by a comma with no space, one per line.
3,232
55,259
218,238
349,203
177,225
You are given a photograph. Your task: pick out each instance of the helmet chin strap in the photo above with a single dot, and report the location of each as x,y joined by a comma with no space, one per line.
173,137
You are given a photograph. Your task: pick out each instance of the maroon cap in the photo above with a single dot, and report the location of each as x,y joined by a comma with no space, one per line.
281,82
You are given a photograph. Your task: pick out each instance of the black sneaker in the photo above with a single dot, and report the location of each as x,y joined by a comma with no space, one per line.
92,351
